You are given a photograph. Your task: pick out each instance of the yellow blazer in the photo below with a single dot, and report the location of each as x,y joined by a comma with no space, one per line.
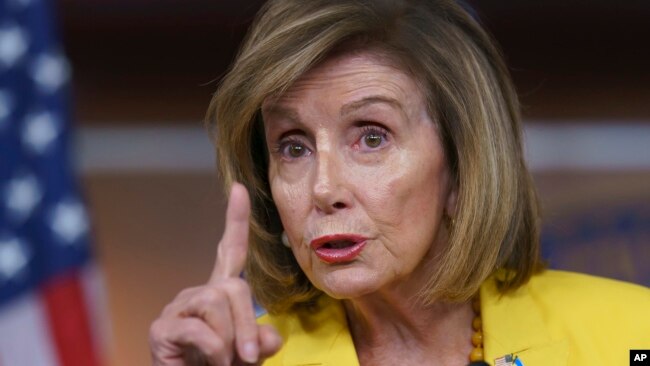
556,319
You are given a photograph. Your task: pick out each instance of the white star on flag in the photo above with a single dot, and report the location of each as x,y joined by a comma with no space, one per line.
22,194
14,257
68,221
13,45
40,131
50,71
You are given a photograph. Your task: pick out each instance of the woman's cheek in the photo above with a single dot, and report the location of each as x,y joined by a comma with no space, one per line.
291,202
383,180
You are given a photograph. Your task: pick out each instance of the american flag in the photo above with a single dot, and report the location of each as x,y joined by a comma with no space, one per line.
48,282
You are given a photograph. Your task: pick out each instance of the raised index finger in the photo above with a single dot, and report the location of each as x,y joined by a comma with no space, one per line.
232,249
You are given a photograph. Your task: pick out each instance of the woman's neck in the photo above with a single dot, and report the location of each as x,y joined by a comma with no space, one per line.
389,328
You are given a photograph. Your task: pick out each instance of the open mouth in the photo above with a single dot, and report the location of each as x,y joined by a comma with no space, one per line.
338,248
338,244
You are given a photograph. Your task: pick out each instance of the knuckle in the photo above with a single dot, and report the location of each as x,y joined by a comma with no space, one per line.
209,297
186,292
157,330
172,309
217,348
217,353
192,326
168,309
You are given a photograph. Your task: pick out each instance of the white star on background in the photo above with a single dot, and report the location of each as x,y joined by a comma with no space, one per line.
6,107
68,220
13,45
14,256
49,72
22,194
40,131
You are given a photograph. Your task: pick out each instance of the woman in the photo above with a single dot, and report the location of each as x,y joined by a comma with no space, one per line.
392,218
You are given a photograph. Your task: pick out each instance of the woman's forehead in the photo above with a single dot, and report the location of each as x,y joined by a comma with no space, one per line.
358,75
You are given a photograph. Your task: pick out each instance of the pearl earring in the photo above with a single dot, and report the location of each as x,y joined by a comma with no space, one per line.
285,239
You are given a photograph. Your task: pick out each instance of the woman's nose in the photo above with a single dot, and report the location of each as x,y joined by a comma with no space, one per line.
329,191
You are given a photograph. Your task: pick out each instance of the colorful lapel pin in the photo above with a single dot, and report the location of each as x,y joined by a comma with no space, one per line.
508,360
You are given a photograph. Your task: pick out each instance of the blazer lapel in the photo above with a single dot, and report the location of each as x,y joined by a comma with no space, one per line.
513,325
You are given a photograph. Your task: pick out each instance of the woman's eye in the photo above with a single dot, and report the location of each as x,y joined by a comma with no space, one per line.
293,150
373,140
373,137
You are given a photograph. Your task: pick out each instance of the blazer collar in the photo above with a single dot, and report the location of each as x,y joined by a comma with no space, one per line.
321,337
513,324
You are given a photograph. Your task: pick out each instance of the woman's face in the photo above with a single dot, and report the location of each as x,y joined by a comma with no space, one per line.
358,174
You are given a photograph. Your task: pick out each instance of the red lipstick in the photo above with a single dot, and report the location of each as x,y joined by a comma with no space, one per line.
338,248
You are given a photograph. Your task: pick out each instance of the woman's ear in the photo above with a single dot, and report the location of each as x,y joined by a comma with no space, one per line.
452,198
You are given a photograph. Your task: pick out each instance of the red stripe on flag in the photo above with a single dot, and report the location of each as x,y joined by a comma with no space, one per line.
69,325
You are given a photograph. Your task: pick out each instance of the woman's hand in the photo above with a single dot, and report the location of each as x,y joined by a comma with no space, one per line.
215,323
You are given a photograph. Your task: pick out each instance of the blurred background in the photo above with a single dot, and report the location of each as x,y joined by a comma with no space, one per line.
143,73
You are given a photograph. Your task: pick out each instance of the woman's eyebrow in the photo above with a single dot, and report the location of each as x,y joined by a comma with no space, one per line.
281,111
373,99
282,117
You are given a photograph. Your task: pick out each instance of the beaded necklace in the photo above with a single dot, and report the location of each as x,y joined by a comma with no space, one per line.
476,356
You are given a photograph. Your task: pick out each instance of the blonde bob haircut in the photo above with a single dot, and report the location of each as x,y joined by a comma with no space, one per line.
469,94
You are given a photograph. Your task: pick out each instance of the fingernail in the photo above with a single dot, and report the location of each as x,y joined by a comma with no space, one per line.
250,352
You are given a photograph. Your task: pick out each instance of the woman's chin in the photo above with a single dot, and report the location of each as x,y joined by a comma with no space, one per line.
347,282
